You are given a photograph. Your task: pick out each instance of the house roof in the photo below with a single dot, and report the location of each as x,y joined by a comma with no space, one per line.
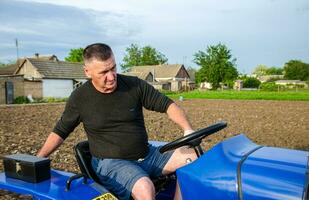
39,57
44,57
142,75
58,69
159,71
8,70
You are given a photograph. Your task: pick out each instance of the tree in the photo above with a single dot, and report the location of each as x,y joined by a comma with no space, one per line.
75,55
274,71
150,56
217,66
296,70
138,56
260,70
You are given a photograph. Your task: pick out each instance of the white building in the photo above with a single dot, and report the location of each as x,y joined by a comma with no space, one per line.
55,78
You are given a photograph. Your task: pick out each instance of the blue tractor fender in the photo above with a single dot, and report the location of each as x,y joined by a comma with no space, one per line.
240,169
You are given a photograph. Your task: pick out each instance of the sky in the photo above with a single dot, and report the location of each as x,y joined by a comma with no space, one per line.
269,32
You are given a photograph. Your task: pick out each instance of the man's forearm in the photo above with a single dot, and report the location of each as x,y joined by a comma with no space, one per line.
177,115
52,142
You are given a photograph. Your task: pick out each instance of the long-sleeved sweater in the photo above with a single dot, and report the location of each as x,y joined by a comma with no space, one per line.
113,122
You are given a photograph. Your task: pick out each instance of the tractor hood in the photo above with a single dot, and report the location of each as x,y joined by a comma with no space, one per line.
239,169
274,173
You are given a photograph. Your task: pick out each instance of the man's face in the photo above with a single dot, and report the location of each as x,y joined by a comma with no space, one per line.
102,73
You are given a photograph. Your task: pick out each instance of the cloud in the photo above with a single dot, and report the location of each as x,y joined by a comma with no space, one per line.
41,26
258,31
304,8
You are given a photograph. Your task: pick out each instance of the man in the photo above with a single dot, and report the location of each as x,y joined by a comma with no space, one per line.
110,107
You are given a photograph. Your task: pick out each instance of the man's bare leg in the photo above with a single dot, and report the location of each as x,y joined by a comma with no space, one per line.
143,189
180,157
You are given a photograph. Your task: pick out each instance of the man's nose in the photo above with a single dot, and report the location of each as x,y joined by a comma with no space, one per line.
110,76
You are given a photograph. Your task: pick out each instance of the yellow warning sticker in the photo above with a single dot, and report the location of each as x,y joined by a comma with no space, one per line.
106,196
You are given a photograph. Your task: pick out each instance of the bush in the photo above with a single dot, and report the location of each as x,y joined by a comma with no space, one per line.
269,86
21,100
251,82
230,83
54,100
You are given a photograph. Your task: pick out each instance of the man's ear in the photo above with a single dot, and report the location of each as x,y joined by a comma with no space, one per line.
87,72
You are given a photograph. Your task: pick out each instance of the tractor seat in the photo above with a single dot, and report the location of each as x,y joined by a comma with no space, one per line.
83,157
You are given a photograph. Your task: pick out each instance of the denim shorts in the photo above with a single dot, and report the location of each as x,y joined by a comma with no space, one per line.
119,176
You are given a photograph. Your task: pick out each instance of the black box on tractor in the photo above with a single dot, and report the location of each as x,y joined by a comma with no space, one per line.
27,167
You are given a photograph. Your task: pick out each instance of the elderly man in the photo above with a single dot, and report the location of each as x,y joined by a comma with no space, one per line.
110,106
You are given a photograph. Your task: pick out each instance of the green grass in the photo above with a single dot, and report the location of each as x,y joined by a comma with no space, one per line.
243,95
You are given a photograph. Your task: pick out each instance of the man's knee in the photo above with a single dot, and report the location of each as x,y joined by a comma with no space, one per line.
180,157
143,189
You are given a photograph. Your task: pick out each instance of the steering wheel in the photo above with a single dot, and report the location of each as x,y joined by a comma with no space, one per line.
194,139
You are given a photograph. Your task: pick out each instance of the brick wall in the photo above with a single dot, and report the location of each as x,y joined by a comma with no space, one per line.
33,88
18,86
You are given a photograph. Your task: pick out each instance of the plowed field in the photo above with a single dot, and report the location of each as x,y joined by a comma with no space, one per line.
23,128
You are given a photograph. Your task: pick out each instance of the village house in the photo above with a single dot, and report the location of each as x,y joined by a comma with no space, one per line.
238,84
292,83
164,77
57,78
40,77
266,78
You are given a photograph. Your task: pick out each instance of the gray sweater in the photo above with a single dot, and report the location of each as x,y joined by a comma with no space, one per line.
114,122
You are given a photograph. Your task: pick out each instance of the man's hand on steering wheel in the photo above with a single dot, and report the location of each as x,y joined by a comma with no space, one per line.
193,139
187,132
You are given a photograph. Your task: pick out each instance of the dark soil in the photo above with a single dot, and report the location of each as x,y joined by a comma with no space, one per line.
24,128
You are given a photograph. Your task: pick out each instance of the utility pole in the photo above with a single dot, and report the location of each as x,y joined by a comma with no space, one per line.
17,53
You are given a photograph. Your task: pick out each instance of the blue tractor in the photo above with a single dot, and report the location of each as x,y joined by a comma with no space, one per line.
233,169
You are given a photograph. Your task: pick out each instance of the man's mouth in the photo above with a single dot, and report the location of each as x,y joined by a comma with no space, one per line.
110,83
